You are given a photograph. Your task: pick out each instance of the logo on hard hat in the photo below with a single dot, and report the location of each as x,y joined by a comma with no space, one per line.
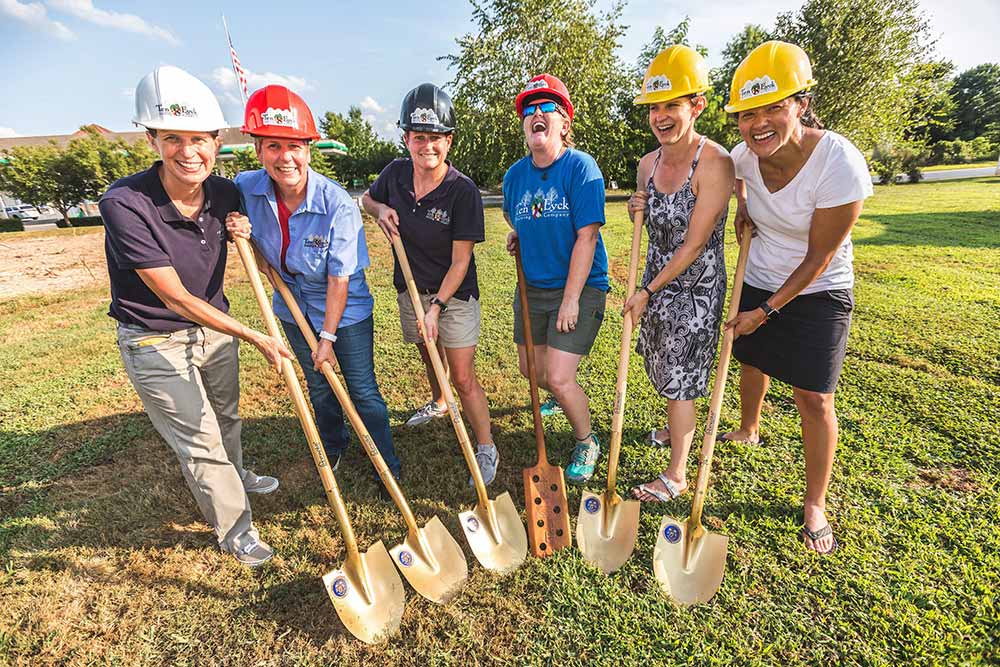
405,558
535,85
339,587
280,117
759,86
424,117
592,505
655,84
672,533
472,524
178,110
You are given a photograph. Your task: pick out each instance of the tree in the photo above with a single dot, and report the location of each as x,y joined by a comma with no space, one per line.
866,56
514,40
976,93
23,175
367,153
736,49
932,110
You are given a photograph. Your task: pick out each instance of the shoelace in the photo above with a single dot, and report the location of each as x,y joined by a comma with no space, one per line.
248,547
484,458
585,453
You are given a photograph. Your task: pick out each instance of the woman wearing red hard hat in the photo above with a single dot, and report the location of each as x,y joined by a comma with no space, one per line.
309,229
802,189
437,212
554,199
166,251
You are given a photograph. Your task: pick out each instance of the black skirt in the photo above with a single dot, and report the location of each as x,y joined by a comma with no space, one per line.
805,344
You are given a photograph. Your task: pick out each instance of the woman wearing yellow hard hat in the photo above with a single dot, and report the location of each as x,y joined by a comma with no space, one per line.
801,189
683,188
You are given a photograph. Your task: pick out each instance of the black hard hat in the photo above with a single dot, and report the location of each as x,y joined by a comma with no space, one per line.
427,108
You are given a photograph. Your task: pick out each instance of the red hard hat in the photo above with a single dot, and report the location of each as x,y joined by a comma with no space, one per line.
541,85
275,111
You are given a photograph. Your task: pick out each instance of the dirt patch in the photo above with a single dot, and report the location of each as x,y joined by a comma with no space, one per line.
957,480
40,265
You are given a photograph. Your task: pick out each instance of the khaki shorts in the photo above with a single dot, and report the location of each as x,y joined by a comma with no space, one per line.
544,306
457,327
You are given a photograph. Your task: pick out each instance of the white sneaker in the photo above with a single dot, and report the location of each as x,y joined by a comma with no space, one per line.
254,553
427,413
259,483
487,457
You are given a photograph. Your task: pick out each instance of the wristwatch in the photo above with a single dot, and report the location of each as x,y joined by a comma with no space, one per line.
439,303
768,311
326,335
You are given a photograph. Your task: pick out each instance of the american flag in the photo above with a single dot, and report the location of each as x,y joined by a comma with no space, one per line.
241,75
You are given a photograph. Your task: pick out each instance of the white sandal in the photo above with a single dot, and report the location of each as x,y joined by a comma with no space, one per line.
671,493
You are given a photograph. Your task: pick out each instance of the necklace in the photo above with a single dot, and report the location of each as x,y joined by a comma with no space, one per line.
545,170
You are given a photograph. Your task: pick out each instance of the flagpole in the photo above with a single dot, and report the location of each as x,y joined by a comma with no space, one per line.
236,73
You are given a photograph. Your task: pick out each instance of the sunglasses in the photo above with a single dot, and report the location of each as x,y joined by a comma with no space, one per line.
546,107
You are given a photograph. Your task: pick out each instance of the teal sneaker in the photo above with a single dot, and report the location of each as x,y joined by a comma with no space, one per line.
551,407
585,456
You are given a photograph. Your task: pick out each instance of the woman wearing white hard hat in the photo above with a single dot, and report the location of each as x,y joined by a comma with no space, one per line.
801,188
683,188
166,253
437,212
554,199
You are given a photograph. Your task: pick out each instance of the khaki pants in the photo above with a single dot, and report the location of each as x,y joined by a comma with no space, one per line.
189,384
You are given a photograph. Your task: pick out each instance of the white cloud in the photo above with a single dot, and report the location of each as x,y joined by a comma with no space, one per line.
8,132
369,104
225,79
85,9
34,14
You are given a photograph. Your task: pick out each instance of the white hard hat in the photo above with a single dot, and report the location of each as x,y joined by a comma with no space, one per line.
168,98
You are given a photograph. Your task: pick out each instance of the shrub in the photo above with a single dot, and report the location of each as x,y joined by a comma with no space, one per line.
963,152
11,225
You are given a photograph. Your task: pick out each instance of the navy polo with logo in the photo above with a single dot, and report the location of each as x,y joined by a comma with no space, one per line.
145,230
453,211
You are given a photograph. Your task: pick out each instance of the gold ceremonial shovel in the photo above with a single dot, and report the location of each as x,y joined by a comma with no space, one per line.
607,526
689,561
494,527
367,591
429,557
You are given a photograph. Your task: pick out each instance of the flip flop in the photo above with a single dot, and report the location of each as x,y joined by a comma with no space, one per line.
819,534
671,493
759,441
655,442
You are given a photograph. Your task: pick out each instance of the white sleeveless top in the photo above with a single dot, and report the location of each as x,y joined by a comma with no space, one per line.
835,174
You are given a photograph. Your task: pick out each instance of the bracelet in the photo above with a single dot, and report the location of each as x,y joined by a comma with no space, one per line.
769,312
326,335
439,303
648,291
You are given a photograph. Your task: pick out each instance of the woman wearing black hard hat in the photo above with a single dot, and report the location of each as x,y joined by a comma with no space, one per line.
437,212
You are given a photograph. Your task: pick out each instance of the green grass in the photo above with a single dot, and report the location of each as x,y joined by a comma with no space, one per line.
950,167
104,559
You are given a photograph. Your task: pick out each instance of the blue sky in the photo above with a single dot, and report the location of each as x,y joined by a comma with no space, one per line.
70,62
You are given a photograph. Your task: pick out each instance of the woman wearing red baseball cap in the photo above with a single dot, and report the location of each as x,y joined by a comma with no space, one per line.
554,200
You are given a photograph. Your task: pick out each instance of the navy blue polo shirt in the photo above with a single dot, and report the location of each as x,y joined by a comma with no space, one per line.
453,211
145,230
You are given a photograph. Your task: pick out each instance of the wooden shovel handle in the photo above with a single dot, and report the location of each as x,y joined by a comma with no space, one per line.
344,398
300,405
721,373
442,378
529,354
621,386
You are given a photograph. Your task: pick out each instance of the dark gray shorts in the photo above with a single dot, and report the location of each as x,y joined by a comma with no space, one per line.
543,305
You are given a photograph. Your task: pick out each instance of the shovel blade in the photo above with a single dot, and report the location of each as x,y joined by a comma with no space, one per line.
501,552
368,595
606,532
432,562
688,578
545,504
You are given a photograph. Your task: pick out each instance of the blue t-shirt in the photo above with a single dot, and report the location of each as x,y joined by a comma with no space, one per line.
326,239
547,207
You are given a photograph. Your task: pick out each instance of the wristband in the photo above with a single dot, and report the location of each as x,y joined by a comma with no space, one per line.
768,311
439,303
648,291
326,335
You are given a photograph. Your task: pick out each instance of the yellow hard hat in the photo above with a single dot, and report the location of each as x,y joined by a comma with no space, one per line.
769,73
675,72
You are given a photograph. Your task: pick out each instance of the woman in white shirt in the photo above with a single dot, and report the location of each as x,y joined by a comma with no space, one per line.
800,188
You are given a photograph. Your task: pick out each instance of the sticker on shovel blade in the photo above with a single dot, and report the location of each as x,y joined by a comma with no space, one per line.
672,533
472,524
592,505
405,558
339,587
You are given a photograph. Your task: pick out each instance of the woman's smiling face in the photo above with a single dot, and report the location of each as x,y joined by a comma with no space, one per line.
766,129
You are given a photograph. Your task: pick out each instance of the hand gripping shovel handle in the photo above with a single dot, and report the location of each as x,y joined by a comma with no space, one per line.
442,378
529,353
301,408
347,405
694,527
621,387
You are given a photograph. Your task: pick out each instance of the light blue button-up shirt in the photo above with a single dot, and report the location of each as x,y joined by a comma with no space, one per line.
326,239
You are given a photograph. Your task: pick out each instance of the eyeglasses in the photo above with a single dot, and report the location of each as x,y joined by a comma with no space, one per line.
546,107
